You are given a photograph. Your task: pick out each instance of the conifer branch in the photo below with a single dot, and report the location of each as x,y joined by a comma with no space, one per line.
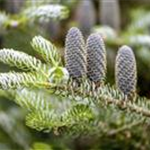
62,106
43,120
125,127
46,49
44,13
107,95
49,120
16,80
31,100
20,60
8,123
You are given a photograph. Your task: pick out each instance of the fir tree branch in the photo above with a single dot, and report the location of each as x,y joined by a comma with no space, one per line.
77,117
106,94
16,80
74,119
9,122
31,100
20,60
43,120
44,13
46,49
125,127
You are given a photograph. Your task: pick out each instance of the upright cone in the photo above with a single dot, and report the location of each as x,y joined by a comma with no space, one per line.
96,58
126,71
75,54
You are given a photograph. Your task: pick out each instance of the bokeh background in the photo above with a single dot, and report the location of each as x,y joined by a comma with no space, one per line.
118,21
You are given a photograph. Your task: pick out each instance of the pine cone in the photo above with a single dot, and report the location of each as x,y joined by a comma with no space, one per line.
75,54
96,58
126,72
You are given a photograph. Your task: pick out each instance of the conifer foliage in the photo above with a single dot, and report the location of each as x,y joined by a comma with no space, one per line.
47,90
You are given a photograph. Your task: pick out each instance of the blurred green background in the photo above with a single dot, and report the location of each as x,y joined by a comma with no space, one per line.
118,21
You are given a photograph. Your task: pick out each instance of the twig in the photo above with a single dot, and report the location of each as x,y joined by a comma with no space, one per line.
125,127
122,104
126,104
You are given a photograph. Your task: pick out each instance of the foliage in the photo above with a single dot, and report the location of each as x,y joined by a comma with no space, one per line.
58,105
14,30
10,120
34,14
46,49
41,146
46,12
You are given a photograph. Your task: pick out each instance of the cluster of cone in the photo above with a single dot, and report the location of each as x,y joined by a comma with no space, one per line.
89,60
